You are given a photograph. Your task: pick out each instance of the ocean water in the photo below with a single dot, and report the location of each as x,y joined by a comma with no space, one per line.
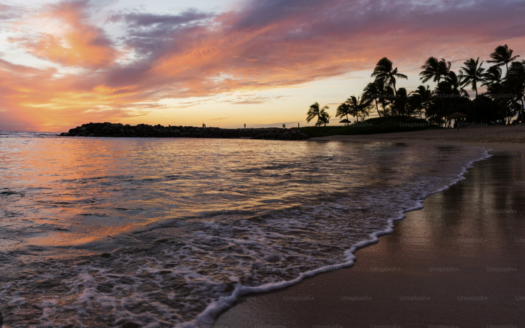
169,232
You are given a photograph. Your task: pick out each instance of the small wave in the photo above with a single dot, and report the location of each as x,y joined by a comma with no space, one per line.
179,244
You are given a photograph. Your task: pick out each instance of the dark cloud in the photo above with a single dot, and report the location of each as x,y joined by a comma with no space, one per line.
256,14
150,34
145,20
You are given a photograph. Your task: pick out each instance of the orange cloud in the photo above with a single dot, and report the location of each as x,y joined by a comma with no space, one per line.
73,41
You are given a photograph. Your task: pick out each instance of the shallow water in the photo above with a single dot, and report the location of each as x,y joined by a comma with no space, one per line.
104,231
467,242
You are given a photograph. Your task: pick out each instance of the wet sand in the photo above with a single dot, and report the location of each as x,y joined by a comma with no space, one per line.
459,262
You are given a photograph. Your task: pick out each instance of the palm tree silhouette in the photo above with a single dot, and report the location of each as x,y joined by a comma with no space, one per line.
493,75
455,85
502,55
421,98
385,72
324,117
359,106
434,69
373,91
381,94
515,83
344,110
400,102
320,113
499,89
472,73
388,98
505,95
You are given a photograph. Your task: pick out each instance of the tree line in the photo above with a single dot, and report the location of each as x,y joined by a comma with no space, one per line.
503,97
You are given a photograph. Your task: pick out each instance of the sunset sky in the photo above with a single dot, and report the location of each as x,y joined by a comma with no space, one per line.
224,62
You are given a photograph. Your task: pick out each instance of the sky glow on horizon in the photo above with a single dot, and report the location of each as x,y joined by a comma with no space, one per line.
65,63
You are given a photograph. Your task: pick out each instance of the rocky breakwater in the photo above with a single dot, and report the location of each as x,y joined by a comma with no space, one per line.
119,130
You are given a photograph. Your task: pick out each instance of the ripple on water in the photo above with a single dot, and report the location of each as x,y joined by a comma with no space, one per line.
155,231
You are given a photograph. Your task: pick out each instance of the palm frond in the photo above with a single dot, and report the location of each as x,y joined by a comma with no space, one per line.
502,55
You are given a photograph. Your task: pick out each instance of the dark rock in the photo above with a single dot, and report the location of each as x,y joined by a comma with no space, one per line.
158,131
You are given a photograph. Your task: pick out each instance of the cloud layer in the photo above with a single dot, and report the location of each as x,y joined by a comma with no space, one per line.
121,67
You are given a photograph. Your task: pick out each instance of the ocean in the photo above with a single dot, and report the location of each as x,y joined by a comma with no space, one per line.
169,232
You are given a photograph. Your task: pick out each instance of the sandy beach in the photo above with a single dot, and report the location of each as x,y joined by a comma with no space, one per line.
458,262
495,137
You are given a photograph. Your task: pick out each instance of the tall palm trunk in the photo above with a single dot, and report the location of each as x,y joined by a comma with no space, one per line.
440,105
395,92
475,104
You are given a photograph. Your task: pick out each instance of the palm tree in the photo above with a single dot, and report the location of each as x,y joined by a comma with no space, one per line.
515,83
499,93
455,85
472,73
434,69
325,117
493,75
414,104
502,55
320,113
400,102
430,70
373,90
493,80
344,110
446,93
444,67
359,106
385,72
421,98
385,95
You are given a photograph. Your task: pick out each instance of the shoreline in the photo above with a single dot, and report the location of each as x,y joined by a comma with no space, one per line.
274,304
497,137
